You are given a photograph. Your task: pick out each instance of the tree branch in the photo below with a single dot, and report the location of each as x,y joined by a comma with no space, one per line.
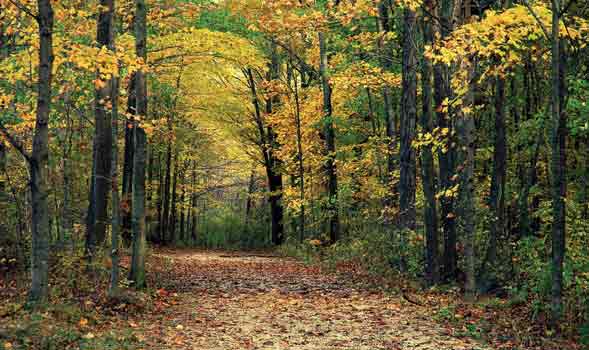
546,33
24,9
14,142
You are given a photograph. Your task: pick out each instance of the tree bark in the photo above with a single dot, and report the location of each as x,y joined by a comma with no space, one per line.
274,166
329,134
383,24
446,156
182,212
127,200
3,193
497,191
137,272
301,166
39,159
427,160
274,179
116,203
97,209
174,204
166,195
465,129
407,179
558,163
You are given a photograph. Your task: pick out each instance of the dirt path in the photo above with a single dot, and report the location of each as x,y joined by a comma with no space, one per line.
226,302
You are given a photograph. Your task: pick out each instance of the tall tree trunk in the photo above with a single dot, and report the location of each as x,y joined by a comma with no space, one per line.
174,204
300,164
274,171
446,156
181,237
427,160
408,118
497,193
137,273
329,134
465,129
160,199
151,221
558,163
127,200
3,193
116,203
166,195
248,202
67,221
193,204
98,207
384,54
38,160
114,169
274,179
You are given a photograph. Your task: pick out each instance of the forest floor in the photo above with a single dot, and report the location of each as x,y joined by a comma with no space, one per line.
221,300
245,301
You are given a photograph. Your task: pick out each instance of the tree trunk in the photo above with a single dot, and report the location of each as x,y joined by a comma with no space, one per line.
127,202
497,192
274,179
166,195
160,199
301,167
465,129
274,171
408,118
432,267
174,204
3,193
558,163
248,202
116,204
38,160
67,222
98,207
443,91
137,272
383,24
329,133
182,213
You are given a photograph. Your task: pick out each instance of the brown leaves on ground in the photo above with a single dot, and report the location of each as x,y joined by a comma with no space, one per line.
224,301
263,302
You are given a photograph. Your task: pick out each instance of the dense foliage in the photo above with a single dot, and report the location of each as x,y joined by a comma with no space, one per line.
445,140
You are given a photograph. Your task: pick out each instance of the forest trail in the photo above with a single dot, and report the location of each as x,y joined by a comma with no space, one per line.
226,301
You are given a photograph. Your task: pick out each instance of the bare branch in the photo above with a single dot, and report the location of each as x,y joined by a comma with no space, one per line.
14,142
546,33
24,9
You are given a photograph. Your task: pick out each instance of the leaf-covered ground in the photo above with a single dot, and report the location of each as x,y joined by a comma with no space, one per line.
216,300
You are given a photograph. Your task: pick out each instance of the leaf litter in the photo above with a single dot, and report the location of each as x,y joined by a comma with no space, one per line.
218,300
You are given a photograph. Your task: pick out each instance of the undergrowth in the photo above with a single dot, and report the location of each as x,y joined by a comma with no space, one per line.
78,315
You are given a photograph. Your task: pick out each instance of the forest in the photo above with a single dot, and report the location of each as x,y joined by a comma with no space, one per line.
294,174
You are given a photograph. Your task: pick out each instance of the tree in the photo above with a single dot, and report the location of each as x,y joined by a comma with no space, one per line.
442,93
558,161
428,175
97,216
38,159
273,162
329,135
407,181
137,272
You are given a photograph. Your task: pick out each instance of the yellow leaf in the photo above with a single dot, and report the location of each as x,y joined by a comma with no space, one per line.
83,322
